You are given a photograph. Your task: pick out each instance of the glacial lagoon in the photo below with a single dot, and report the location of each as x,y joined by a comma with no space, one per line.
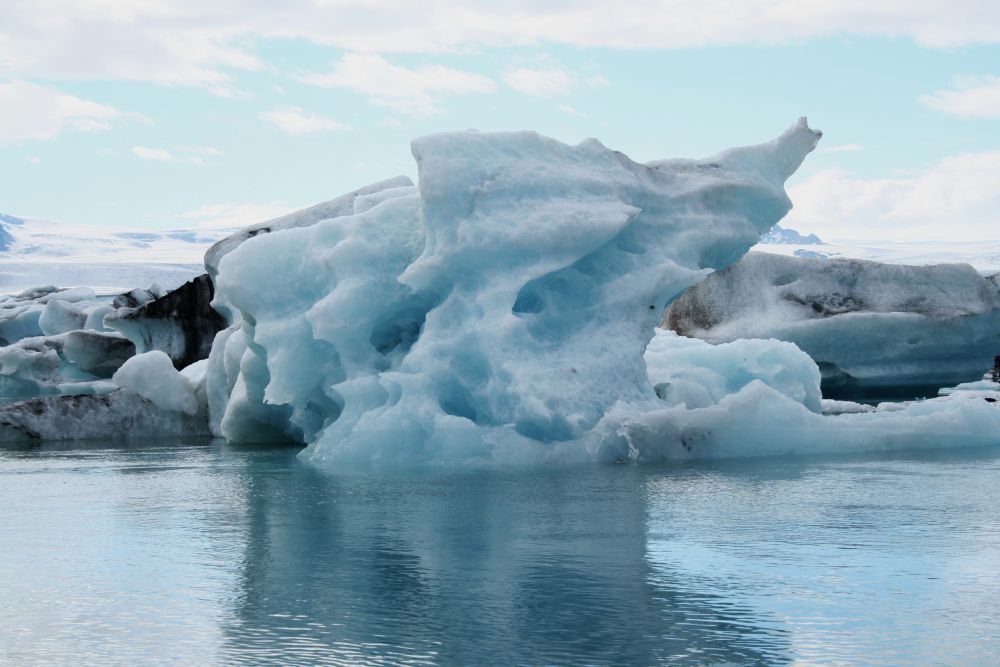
200,552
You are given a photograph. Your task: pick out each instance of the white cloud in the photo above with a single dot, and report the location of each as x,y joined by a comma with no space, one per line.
29,111
565,108
171,42
956,199
229,214
191,154
413,91
842,148
35,160
545,82
296,121
970,97
202,150
155,154
197,43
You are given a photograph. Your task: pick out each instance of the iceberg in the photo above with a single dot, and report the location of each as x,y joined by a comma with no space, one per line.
118,415
502,310
181,323
44,311
49,311
74,362
751,398
152,376
871,327
146,398
498,311
70,375
696,374
758,420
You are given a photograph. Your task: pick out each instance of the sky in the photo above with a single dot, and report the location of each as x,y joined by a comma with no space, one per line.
175,113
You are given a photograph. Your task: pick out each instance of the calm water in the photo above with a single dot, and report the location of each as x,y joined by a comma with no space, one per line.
196,554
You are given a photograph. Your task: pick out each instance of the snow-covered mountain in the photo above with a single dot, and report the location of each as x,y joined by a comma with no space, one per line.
30,239
109,260
984,256
778,235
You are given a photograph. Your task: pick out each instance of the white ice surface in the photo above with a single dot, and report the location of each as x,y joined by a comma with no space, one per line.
881,324
152,375
500,312
697,374
759,421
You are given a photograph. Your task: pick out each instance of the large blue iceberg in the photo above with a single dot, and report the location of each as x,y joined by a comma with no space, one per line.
498,310
502,310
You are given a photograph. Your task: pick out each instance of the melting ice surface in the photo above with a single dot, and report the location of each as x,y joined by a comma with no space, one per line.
502,310
867,325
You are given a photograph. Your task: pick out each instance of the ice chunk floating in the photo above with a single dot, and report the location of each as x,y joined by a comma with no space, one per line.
502,310
499,310
869,326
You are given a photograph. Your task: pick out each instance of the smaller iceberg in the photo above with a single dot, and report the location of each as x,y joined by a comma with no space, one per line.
146,399
773,410
872,328
71,375
498,311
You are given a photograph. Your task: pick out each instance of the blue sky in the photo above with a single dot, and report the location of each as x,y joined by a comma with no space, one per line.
172,114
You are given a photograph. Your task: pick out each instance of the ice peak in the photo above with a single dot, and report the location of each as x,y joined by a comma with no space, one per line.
498,310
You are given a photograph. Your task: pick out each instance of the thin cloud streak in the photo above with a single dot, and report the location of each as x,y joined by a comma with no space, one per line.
970,97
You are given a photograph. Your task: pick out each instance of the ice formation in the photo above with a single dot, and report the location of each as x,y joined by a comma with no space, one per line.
693,373
182,324
335,208
44,311
500,310
146,398
760,421
118,414
83,379
73,362
152,375
56,342
869,326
